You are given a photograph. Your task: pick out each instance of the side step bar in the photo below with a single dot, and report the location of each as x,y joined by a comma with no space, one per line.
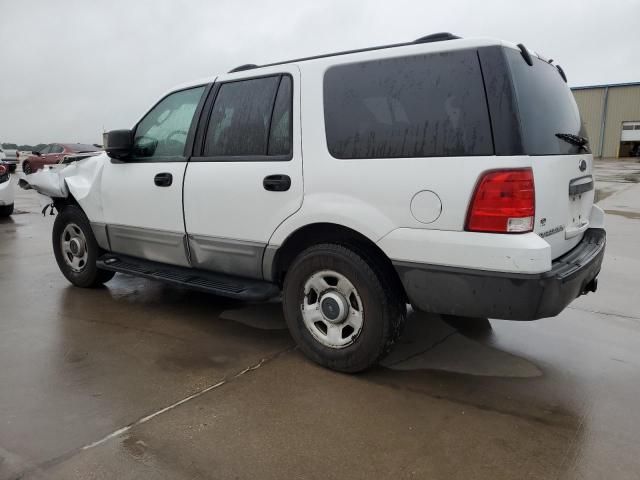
216,283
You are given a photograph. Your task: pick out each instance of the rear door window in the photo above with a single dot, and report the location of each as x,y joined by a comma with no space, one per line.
251,118
281,121
419,106
546,107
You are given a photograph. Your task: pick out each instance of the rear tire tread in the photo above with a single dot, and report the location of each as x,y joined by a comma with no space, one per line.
392,308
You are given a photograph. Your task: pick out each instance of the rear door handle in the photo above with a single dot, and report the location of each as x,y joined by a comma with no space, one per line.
164,179
277,183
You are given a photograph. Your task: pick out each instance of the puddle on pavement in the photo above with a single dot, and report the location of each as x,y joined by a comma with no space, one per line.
265,316
427,343
625,214
430,343
603,193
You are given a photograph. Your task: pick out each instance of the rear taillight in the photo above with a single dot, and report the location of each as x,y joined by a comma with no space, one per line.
504,202
3,170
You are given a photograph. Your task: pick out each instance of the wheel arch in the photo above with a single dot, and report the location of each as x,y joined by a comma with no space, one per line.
63,202
277,260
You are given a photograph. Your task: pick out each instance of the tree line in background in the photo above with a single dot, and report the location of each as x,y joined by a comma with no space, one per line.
25,148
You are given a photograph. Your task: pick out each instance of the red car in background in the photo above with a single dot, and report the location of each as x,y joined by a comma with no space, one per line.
53,153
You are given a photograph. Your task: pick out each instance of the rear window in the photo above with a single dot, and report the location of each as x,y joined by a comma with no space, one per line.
546,107
419,106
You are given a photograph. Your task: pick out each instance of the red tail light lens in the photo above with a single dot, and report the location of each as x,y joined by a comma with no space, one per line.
504,202
3,170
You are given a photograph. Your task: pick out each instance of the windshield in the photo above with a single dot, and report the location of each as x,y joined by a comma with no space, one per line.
549,116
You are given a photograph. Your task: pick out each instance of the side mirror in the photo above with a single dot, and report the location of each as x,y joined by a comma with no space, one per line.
118,143
36,153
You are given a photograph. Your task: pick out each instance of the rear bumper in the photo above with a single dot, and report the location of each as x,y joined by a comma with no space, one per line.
480,293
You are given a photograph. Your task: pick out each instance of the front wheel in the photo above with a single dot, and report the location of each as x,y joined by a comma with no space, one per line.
76,249
26,168
341,310
6,210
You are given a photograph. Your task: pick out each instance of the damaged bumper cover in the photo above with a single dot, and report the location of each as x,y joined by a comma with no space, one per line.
48,181
74,175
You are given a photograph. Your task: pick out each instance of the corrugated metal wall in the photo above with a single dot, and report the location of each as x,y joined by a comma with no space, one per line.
623,105
590,105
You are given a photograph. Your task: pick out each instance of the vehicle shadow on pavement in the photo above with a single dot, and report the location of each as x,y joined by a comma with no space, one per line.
454,344
428,342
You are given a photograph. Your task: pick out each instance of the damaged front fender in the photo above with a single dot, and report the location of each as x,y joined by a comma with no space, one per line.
81,179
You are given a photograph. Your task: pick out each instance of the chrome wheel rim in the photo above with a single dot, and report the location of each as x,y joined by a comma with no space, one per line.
73,244
332,309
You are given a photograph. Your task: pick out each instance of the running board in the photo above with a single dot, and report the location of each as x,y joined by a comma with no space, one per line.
216,283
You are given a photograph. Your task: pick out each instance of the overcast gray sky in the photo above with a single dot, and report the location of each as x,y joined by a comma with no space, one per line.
69,68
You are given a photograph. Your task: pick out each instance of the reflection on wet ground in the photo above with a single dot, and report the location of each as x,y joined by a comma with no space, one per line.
140,380
630,215
612,174
429,343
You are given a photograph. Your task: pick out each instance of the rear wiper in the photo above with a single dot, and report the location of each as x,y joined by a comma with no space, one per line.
574,139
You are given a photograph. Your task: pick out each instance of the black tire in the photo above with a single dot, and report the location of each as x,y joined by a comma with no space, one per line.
26,168
90,276
6,210
384,308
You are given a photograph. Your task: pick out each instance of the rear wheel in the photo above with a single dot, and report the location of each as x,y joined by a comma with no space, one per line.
6,210
341,310
76,249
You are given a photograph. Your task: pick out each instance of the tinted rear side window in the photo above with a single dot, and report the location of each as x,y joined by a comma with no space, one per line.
280,135
418,106
241,116
545,105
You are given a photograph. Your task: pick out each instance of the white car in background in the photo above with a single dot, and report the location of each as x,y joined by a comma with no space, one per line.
10,157
6,190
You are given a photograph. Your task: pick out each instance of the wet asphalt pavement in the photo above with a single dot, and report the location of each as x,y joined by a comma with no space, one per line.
140,380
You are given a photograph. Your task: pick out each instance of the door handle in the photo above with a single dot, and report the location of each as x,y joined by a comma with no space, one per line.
163,179
277,183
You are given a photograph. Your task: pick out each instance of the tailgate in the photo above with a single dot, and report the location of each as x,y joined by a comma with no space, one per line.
564,197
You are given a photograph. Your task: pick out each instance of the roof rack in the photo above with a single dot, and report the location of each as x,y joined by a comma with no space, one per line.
246,66
437,37
434,37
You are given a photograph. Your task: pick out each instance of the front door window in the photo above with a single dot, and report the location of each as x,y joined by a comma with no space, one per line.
162,133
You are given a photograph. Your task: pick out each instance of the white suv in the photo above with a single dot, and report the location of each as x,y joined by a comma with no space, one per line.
6,189
451,174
